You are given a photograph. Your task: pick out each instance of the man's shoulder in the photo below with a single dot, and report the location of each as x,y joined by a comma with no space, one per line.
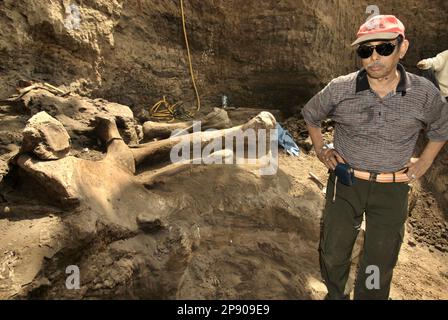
419,82
344,84
416,79
345,79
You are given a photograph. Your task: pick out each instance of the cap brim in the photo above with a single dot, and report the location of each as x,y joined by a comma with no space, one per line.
376,36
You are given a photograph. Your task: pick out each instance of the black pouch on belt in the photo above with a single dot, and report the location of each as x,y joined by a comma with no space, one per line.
345,174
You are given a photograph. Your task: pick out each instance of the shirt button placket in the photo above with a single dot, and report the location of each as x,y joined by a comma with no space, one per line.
381,113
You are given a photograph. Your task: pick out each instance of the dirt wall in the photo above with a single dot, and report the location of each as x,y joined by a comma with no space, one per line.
275,54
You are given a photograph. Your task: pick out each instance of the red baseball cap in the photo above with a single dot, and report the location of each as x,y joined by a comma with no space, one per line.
380,27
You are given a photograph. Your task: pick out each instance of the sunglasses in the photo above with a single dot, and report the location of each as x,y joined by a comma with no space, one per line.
384,49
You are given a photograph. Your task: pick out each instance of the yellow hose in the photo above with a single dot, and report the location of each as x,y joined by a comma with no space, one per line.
198,107
170,112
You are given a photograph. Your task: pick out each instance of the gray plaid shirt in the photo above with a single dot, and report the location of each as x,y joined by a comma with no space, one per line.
374,134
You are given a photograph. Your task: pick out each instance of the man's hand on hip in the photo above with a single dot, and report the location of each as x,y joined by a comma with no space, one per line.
329,157
417,168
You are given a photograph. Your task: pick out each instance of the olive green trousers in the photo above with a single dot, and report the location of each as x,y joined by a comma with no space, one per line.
385,206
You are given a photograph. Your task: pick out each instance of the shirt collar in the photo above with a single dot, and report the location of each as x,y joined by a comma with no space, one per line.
362,83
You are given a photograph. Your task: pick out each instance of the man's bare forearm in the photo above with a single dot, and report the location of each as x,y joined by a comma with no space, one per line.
329,157
418,167
431,150
316,137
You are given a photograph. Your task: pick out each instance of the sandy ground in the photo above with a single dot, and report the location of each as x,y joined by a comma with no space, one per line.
236,235
421,272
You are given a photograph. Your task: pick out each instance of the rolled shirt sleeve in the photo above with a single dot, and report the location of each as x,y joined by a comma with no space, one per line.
436,118
319,107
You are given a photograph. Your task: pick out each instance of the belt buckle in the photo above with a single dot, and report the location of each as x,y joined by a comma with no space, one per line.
373,176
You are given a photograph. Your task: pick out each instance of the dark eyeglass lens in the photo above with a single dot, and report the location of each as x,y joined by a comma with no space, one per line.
365,51
385,49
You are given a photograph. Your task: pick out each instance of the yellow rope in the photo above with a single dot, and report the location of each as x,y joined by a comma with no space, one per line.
189,56
170,112
164,111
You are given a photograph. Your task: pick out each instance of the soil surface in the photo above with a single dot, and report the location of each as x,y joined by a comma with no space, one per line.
226,232
234,235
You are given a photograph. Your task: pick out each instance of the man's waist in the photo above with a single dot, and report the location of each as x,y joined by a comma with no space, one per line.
384,172
375,164
385,177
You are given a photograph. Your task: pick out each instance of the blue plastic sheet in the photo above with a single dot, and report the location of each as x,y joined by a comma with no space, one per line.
286,141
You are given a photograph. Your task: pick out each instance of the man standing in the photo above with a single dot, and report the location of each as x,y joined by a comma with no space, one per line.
379,112
439,64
